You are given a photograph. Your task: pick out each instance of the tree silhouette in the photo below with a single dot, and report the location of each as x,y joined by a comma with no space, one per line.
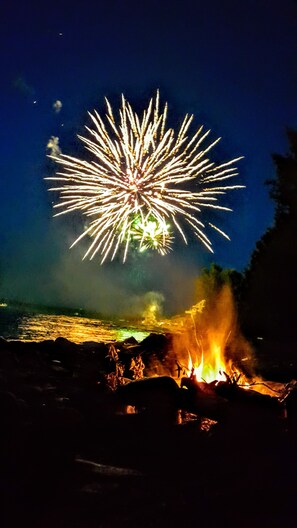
214,278
269,308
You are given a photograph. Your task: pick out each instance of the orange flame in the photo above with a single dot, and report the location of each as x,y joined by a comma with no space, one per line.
210,370
204,334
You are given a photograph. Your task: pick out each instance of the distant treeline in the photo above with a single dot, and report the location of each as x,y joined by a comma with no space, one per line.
266,292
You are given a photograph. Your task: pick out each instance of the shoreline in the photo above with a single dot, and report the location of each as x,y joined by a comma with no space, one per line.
79,449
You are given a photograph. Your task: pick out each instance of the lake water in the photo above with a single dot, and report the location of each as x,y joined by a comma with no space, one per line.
30,326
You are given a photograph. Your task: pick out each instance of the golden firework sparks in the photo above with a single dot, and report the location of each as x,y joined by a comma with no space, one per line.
140,173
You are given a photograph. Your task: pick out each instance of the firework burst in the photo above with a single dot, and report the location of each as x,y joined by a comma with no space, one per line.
138,185
151,234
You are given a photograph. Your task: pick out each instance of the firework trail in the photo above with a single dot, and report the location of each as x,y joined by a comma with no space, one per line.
136,189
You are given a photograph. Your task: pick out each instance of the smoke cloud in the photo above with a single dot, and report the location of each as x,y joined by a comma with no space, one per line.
53,146
53,275
57,106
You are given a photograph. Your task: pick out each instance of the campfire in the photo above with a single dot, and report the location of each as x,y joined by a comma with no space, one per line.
208,344
206,368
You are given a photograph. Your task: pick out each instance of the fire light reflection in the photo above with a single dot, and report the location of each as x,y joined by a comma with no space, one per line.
39,327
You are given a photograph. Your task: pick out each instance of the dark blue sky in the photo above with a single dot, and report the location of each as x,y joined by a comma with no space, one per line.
232,64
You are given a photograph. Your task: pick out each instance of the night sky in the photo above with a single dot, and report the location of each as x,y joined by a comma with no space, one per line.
231,63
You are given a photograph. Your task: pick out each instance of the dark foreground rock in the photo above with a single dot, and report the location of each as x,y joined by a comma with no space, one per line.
87,442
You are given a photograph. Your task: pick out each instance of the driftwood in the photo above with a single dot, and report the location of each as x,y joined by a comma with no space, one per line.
225,402
201,398
158,397
243,412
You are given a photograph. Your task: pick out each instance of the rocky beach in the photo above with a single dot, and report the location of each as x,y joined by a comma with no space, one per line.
105,434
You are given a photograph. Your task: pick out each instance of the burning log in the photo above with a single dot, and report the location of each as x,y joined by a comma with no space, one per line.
241,410
201,398
161,399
